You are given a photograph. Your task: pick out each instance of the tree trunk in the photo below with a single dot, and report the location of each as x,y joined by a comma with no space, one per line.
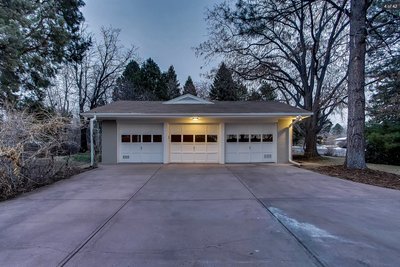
355,156
310,141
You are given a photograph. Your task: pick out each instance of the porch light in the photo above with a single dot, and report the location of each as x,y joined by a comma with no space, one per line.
195,118
298,118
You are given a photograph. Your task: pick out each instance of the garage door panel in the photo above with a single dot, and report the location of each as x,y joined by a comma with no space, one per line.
212,129
201,148
212,148
212,157
259,148
176,149
142,145
200,144
186,148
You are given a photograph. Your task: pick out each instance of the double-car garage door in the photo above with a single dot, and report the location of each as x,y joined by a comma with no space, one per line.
198,143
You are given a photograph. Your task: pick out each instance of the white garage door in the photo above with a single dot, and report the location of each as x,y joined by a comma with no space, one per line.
141,143
191,143
250,143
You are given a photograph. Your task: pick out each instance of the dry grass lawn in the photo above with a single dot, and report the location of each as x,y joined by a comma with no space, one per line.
377,174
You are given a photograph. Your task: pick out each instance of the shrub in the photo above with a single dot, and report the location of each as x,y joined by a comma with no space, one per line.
383,143
30,150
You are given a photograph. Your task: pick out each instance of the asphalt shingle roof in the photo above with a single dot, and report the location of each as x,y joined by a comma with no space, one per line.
218,107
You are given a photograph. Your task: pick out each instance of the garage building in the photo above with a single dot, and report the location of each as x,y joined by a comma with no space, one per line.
189,129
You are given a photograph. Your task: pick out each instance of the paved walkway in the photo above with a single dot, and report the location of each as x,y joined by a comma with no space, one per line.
202,215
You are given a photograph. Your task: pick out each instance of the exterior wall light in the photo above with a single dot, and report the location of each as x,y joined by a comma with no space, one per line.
195,118
298,118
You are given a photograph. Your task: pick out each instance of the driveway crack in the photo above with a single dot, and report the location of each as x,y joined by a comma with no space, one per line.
316,260
64,261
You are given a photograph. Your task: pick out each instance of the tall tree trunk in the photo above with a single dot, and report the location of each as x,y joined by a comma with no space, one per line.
310,141
355,156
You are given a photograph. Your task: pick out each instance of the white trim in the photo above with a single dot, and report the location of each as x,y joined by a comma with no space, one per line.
92,160
166,142
187,99
184,115
222,142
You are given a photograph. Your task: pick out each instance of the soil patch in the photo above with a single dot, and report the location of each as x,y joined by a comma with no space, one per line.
367,176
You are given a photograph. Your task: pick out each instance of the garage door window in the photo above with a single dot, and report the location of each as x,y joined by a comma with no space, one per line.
147,138
268,138
243,138
176,138
231,138
188,138
136,138
157,138
256,138
125,138
200,138
212,138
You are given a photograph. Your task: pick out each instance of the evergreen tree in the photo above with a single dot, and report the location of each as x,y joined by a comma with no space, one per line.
189,87
385,102
171,81
35,36
241,91
337,129
127,86
267,92
383,130
224,88
152,82
264,93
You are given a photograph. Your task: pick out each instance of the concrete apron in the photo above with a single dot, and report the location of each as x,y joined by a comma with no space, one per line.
201,215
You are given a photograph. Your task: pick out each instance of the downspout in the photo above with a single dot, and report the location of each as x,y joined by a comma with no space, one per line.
290,136
92,163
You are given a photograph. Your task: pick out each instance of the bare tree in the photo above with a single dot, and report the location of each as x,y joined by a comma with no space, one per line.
96,74
60,96
111,60
374,29
299,47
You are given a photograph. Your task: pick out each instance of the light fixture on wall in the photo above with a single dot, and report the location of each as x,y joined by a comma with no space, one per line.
195,118
298,118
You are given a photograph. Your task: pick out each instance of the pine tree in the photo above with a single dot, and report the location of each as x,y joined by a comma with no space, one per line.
267,92
152,82
223,87
337,129
385,102
127,86
189,87
171,81
35,37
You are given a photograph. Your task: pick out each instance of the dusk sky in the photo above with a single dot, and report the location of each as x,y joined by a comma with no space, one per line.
166,31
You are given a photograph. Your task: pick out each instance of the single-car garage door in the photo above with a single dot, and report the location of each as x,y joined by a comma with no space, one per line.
250,143
191,143
141,143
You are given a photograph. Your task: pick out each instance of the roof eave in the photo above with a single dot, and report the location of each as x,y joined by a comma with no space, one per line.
184,115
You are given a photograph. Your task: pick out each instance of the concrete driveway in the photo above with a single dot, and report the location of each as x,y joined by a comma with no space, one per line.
202,215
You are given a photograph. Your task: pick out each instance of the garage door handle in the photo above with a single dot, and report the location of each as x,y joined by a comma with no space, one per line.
250,147
194,148
141,148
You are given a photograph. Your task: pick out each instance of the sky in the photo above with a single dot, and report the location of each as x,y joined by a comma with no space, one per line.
165,30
